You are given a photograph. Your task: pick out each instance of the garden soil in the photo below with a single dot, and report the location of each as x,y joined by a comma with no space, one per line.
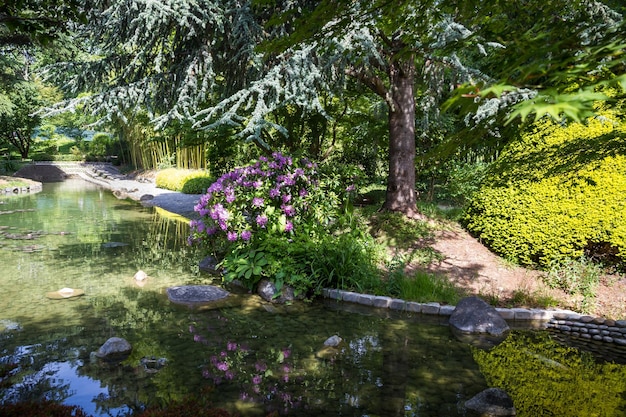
478,271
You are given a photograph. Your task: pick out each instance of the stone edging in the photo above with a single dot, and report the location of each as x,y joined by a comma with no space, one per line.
565,322
578,326
25,189
512,314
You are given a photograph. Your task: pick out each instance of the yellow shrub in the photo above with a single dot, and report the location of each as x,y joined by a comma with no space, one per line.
559,192
184,180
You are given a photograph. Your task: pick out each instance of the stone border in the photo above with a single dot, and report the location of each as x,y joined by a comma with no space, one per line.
599,329
509,314
566,322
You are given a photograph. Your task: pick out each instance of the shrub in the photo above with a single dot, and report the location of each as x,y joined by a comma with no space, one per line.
556,194
278,218
176,180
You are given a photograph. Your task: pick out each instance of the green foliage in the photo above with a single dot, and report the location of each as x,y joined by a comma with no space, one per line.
197,185
189,181
551,379
421,287
576,277
281,219
558,193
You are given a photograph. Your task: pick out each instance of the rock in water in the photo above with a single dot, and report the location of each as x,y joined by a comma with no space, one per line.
474,316
194,294
492,402
475,322
115,349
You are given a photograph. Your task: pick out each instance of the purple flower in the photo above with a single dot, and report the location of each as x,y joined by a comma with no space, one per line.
261,220
288,226
303,192
286,198
231,346
222,366
230,197
231,236
286,353
260,367
351,188
256,380
257,202
211,231
288,210
246,235
229,375
274,192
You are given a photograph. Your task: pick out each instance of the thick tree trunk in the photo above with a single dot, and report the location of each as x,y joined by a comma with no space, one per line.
401,194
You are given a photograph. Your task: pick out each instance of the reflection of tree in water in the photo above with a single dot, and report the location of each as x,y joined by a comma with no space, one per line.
35,371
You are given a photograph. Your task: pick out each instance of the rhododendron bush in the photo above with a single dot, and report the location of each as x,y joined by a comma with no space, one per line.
267,219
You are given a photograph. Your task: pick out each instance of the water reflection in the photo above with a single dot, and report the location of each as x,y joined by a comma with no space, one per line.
259,359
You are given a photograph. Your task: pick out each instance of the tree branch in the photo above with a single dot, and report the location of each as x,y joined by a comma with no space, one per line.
373,83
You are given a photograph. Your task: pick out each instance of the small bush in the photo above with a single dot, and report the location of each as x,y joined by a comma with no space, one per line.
176,179
556,194
41,156
197,185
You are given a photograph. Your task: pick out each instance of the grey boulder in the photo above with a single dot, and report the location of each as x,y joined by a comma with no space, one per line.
114,349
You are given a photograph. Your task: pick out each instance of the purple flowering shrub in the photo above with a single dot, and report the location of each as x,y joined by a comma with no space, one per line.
277,195
278,199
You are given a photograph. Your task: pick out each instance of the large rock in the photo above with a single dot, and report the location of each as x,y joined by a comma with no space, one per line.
196,294
209,265
474,316
268,291
475,322
114,349
492,402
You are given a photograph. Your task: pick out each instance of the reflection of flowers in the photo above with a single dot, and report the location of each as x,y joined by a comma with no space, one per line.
263,378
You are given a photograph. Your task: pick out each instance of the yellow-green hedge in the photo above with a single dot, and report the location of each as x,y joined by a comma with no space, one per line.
560,192
187,181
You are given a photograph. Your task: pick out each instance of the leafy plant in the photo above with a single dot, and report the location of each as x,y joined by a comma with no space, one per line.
188,181
556,194
576,277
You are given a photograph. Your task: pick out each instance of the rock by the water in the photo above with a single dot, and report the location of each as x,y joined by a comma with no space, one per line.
333,341
492,402
195,294
114,244
268,291
209,265
140,276
64,293
114,349
474,316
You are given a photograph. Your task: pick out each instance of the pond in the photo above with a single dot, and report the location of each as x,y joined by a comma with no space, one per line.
252,359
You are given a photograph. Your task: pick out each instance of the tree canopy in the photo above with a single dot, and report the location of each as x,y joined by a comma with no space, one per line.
237,63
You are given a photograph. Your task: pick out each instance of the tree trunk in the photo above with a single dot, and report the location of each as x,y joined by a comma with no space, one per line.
401,194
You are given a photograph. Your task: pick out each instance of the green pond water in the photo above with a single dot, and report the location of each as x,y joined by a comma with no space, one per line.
252,359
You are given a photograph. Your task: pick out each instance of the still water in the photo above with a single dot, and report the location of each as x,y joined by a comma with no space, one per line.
252,359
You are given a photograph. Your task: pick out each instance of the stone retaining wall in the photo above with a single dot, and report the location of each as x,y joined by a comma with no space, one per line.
598,329
532,318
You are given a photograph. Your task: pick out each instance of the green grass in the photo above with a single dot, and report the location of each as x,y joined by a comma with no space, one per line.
423,287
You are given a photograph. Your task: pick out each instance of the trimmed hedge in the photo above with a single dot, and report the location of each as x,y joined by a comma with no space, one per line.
558,193
187,181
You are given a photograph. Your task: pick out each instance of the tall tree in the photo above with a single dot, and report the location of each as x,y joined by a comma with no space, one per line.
199,61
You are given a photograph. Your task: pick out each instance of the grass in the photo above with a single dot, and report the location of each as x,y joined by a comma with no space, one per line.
7,182
424,287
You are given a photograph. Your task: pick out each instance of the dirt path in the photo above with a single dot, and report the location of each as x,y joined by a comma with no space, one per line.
478,271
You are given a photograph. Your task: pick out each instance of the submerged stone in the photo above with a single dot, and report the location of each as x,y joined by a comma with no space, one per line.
492,402
194,294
